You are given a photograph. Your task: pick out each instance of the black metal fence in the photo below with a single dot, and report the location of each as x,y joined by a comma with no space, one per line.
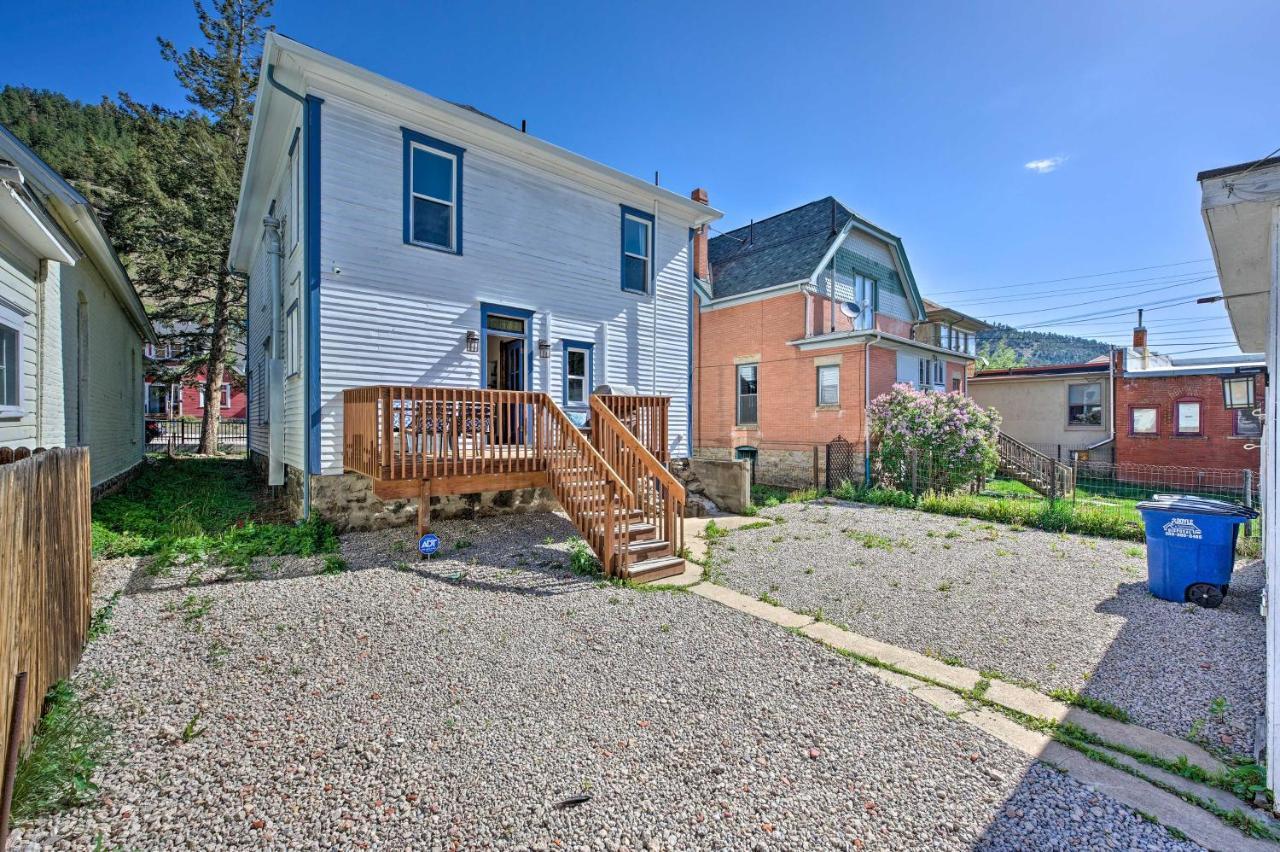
183,435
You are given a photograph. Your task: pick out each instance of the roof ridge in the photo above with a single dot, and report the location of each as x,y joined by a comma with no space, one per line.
784,213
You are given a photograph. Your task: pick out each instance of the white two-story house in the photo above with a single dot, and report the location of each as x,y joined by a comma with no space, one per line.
394,239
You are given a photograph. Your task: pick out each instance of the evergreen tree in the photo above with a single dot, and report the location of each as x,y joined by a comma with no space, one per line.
220,78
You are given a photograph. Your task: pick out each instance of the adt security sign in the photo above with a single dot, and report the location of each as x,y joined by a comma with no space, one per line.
428,544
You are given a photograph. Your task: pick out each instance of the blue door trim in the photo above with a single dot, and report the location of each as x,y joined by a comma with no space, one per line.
565,345
486,310
312,153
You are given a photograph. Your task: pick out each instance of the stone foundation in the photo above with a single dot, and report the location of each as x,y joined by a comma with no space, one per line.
115,483
347,501
789,468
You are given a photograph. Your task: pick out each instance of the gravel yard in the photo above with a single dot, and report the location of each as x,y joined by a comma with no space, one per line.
453,704
1059,611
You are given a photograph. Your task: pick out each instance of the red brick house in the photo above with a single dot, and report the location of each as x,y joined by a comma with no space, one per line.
800,321
1170,411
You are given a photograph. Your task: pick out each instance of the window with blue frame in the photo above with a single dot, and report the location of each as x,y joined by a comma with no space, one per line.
432,193
637,250
577,373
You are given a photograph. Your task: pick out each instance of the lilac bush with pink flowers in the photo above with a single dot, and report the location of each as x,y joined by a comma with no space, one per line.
948,438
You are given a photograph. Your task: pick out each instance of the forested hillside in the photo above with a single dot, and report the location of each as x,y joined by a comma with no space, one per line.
1036,348
63,132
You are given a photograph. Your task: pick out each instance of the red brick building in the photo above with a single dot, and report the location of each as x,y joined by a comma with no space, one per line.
801,320
1170,411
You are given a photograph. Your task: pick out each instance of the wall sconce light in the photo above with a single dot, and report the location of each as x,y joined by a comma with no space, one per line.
473,341
544,348
1237,390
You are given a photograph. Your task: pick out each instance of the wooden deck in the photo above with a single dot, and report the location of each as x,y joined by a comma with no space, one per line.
424,441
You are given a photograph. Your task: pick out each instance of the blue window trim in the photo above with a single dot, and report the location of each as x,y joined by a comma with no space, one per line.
622,247
488,309
311,150
590,349
412,137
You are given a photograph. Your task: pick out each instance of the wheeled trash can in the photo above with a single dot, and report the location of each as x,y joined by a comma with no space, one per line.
1191,546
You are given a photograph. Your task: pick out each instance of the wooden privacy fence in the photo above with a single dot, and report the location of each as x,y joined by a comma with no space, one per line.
45,574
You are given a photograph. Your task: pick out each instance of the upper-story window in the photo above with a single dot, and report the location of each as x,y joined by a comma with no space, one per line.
865,293
432,193
637,250
747,395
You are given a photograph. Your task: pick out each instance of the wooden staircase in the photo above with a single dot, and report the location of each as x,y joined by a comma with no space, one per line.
424,441
1033,468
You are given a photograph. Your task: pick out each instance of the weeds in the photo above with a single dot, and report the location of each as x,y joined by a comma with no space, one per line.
1093,705
765,597
56,773
581,560
462,544
100,623
192,729
333,564
756,525
871,540
197,509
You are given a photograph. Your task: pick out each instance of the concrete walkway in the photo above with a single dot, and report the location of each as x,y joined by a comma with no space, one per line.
940,684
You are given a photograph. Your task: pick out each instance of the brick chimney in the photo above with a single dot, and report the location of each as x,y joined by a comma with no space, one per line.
701,268
1140,340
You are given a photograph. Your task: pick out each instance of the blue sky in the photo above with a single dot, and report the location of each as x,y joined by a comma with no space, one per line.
921,116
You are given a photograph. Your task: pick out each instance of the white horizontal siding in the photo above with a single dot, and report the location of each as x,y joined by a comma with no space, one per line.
396,313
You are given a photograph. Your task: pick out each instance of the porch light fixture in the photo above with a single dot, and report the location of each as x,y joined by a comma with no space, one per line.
544,348
1237,390
473,341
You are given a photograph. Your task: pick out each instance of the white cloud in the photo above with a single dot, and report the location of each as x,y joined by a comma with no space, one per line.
1043,167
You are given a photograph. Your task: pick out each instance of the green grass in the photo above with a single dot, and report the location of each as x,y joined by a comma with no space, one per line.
198,509
56,773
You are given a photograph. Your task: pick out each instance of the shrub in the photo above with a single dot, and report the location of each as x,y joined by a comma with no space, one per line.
581,559
949,438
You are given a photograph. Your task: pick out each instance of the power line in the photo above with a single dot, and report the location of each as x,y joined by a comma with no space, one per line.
1076,277
1098,301
1082,318
1170,280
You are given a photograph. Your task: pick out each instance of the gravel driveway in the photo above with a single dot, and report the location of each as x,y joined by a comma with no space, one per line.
1059,611
453,704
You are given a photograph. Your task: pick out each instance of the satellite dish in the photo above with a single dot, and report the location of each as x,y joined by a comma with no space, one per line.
850,309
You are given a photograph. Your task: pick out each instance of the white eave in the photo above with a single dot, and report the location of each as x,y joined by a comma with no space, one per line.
893,341
32,227
306,65
1238,208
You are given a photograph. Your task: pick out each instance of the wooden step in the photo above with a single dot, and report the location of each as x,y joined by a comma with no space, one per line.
641,531
655,569
637,551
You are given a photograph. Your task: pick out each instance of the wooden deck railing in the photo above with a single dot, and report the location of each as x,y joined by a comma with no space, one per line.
659,495
645,417
1033,468
395,432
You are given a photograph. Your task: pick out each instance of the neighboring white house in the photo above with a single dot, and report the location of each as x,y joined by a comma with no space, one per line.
72,327
1241,209
391,237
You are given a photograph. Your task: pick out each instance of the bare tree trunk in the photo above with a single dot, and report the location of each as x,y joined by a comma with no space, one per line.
214,369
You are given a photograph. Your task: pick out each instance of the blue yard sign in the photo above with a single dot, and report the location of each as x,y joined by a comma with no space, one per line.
428,544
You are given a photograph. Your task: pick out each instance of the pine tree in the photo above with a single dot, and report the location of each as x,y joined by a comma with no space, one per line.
220,79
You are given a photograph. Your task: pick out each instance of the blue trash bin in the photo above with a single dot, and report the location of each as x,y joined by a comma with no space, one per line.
1191,546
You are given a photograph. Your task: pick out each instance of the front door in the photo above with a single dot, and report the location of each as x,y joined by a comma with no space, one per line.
510,376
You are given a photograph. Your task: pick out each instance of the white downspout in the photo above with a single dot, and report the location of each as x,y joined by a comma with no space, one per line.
275,363
1270,470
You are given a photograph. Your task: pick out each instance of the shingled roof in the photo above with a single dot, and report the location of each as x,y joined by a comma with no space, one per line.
787,248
